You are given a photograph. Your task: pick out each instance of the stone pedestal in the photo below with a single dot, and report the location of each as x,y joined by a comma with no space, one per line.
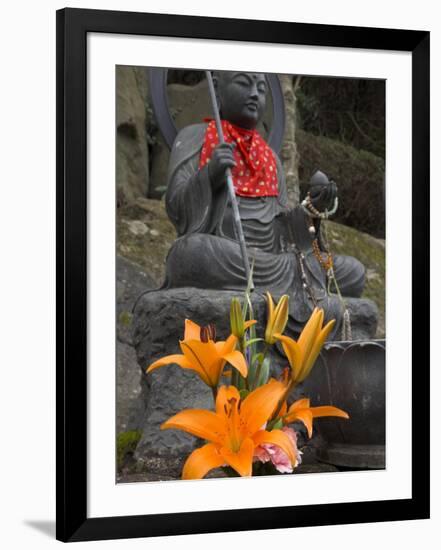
158,325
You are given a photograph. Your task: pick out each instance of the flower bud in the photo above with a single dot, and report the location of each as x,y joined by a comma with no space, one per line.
236,319
277,318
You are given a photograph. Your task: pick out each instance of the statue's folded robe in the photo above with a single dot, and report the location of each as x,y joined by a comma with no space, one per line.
207,254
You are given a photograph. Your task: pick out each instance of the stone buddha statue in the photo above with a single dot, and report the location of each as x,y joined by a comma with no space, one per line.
284,245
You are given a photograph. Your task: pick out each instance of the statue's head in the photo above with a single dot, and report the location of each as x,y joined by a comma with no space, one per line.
242,97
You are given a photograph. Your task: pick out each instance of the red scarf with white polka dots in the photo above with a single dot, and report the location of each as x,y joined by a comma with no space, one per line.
255,172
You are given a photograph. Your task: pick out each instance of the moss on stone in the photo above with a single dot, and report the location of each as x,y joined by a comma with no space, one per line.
125,318
126,443
148,248
371,253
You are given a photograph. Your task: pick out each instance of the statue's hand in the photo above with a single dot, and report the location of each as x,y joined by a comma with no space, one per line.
323,195
221,159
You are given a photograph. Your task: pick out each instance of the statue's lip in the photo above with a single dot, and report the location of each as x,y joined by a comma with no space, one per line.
251,104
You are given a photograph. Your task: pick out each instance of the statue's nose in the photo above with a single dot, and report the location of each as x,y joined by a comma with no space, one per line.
253,91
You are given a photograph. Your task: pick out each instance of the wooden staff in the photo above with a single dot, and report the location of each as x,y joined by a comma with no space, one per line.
232,193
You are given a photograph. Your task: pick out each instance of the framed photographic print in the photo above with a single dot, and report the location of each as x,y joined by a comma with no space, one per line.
242,274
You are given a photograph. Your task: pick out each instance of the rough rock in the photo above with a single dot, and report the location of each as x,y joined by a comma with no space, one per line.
148,249
364,318
131,281
132,157
130,405
289,154
167,391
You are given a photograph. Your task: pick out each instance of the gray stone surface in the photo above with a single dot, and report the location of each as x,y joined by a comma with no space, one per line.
363,457
158,325
130,406
364,318
132,166
168,391
130,282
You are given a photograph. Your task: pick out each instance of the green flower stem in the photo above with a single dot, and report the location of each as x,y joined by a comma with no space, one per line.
259,366
243,382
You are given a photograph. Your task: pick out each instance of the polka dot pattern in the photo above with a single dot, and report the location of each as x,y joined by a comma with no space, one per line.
255,173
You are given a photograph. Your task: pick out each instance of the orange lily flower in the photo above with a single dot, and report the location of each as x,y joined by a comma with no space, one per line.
301,411
233,431
206,357
277,318
303,353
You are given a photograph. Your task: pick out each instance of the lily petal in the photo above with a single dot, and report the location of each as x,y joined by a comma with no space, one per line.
199,422
315,350
299,404
224,395
279,438
178,359
310,332
281,315
270,317
192,330
270,308
328,410
302,415
204,357
201,461
260,404
226,346
237,359
283,410
241,461
294,353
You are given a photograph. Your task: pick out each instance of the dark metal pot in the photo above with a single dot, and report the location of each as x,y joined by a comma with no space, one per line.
351,376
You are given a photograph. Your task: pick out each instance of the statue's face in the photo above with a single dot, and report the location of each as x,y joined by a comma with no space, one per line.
242,97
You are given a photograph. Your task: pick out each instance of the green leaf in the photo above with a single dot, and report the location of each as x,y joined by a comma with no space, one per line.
255,361
257,358
264,372
252,341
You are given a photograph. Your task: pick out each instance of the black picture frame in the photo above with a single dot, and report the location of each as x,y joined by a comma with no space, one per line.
73,25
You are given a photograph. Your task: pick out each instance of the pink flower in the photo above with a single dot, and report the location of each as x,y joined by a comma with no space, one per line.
268,452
